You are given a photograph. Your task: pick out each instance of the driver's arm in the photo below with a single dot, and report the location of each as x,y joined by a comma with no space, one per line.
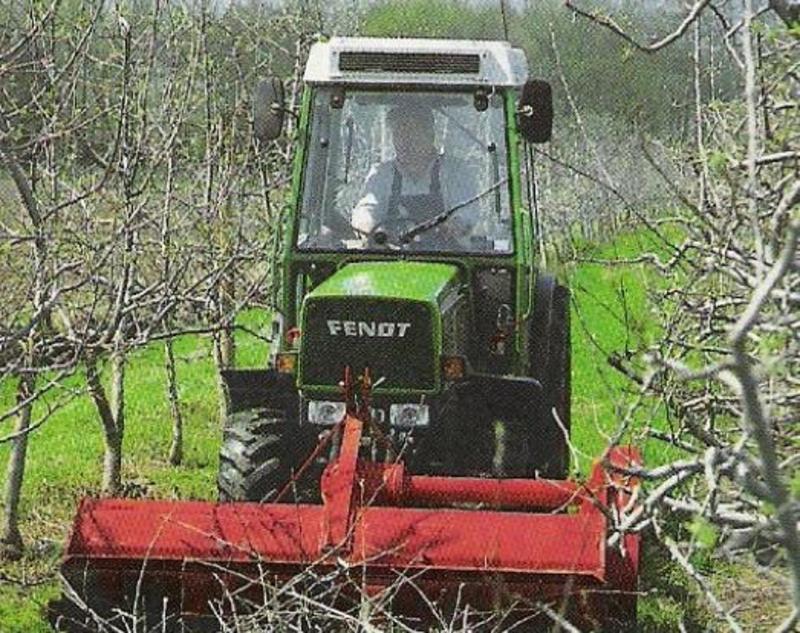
370,210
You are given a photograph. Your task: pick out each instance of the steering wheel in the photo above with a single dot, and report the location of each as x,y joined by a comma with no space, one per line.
387,234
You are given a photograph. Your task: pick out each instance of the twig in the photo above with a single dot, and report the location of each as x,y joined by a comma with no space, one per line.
608,23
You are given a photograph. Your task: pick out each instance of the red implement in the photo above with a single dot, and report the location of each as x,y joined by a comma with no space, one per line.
543,540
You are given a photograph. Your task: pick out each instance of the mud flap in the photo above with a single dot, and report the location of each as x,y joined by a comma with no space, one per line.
507,397
253,388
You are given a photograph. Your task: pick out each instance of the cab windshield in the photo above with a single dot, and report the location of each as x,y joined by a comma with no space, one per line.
412,171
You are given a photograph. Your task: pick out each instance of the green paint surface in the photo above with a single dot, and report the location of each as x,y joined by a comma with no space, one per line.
361,284
412,281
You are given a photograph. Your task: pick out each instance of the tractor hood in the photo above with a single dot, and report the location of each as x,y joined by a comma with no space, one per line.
383,315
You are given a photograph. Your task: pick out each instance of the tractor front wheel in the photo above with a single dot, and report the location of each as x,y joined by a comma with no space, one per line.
253,464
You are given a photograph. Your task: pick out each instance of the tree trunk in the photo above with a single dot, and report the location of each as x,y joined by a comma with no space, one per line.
11,540
176,448
225,301
112,417
225,352
224,358
112,468
112,464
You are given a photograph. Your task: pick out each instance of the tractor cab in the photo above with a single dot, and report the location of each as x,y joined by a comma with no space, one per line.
409,146
412,172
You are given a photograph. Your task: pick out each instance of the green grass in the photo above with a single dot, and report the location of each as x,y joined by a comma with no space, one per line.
65,457
65,454
610,316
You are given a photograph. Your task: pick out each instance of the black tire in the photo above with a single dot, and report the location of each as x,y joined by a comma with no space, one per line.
253,462
551,366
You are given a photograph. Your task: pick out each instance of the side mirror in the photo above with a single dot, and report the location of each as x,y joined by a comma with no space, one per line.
268,109
535,111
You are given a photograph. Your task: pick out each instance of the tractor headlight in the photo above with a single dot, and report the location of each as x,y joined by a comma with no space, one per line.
409,415
325,412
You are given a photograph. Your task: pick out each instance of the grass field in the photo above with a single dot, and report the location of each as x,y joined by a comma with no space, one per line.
65,454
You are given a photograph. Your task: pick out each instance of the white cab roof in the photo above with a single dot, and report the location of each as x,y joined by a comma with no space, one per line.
367,60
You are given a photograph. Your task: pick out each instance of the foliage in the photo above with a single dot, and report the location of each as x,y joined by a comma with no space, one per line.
725,361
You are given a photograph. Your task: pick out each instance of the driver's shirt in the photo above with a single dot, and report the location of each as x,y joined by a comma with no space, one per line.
446,184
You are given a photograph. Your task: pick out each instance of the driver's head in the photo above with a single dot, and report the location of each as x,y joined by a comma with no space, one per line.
412,128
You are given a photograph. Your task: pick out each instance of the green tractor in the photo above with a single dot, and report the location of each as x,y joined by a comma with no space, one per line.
415,415
408,255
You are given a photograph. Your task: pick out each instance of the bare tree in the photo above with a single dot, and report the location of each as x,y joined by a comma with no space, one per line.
727,362
28,347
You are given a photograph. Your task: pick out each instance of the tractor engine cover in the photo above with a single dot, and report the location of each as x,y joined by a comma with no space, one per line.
361,316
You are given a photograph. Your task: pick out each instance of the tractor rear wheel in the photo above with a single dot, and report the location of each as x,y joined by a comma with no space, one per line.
253,460
550,365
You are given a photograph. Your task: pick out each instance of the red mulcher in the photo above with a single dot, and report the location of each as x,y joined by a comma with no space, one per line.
532,541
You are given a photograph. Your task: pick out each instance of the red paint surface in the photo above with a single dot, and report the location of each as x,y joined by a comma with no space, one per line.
182,546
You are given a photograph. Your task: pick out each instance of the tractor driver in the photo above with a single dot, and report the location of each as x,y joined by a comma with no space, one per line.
416,185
